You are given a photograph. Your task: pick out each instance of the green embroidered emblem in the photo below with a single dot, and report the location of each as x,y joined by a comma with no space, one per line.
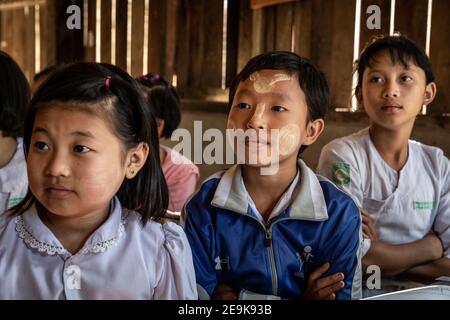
341,173
14,201
422,205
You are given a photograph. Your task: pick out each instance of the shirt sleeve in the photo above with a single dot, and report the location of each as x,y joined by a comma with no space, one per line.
339,164
442,220
200,234
177,280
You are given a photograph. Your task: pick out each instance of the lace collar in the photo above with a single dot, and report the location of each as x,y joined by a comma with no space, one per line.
36,235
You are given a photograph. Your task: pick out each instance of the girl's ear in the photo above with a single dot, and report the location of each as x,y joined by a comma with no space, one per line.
313,130
136,158
430,93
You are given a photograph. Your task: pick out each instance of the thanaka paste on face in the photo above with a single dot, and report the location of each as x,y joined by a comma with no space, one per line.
259,112
288,139
265,85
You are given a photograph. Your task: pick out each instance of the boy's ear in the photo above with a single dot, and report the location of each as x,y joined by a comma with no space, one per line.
430,93
358,95
313,130
136,158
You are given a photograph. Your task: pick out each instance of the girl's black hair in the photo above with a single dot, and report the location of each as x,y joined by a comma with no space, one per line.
164,101
400,49
311,80
14,97
98,89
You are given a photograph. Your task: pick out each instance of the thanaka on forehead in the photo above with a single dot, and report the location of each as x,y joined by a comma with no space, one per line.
263,84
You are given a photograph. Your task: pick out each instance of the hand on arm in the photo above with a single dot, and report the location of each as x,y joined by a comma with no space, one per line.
431,270
397,258
318,288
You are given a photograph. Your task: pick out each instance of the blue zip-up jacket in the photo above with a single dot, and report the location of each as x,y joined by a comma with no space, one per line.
231,246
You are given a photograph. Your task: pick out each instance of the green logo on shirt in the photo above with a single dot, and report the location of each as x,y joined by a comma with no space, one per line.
14,201
421,205
341,173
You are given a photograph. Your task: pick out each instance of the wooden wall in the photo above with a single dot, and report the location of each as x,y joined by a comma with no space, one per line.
184,38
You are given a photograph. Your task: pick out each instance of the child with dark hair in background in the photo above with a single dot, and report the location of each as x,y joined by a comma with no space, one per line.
14,99
180,173
89,226
41,76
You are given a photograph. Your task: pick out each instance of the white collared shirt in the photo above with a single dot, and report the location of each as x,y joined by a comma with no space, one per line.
120,260
403,207
13,179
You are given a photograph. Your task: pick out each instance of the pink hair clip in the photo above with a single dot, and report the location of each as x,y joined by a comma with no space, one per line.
108,79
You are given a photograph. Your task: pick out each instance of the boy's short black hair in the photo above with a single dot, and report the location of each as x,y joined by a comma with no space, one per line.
311,80
14,97
401,49
164,101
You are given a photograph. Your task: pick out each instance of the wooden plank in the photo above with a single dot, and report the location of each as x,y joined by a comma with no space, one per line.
18,42
269,23
342,53
137,37
105,31
7,34
232,40
245,39
258,39
257,4
332,51
196,44
182,53
89,51
411,19
170,39
366,34
302,28
156,36
439,56
29,43
69,43
213,38
284,23
121,33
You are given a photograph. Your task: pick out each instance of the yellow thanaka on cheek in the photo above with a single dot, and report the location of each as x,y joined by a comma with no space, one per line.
289,137
265,85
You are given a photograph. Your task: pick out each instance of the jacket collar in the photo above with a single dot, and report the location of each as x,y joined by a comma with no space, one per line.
308,202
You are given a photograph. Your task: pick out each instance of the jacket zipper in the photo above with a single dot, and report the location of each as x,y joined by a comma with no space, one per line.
269,246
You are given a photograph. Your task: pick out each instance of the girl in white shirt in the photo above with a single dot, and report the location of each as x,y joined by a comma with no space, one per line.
90,225
401,186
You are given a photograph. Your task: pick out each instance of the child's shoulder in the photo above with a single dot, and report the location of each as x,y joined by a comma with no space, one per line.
154,229
430,156
334,194
356,140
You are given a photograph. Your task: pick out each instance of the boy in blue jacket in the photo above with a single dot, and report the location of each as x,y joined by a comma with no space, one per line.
260,232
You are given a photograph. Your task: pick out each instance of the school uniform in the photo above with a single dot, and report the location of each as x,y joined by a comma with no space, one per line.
13,179
120,260
404,206
313,223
